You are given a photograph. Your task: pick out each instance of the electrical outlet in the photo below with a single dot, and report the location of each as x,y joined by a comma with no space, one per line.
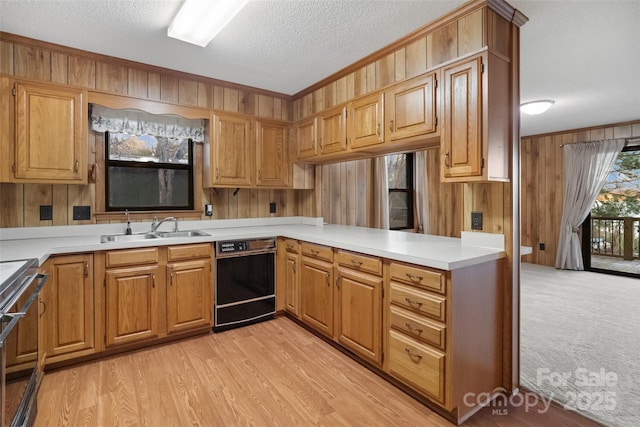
476,220
542,246
46,212
208,210
81,213
272,207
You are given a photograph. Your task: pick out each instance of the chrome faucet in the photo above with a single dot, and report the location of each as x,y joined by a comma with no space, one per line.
155,224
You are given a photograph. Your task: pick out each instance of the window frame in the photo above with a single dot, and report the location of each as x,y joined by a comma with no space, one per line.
409,166
189,167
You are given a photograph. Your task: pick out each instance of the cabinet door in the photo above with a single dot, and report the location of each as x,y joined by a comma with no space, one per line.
132,304
232,154
69,317
189,301
366,121
272,159
359,313
332,130
291,283
316,295
411,108
461,150
306,138
22,344
50,139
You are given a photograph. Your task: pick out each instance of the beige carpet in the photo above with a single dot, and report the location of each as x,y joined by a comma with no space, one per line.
580,341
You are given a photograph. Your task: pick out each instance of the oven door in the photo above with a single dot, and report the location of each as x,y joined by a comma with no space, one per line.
19,366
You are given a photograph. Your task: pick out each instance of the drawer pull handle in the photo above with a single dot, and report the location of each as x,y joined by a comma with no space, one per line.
338,281
356,262
290,247
314,252
410,328
414,357
414,278
412,303
293,267
391,126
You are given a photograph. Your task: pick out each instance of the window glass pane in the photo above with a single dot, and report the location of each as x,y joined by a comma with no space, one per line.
131,187
399,213
148,148
397,170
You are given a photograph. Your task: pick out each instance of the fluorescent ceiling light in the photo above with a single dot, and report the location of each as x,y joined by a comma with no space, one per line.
536,107
199,21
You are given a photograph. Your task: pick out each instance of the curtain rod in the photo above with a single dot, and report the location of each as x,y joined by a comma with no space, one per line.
626,140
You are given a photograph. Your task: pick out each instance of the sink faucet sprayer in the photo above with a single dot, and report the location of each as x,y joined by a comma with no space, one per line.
128,229
155,224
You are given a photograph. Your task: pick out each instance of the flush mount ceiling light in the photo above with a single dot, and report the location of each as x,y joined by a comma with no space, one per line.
199,21
536,107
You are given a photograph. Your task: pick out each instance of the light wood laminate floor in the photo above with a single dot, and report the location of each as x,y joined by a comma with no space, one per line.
273,373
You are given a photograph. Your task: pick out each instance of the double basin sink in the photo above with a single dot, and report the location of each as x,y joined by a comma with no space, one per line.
107,238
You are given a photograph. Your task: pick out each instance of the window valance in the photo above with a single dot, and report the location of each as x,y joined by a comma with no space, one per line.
136,122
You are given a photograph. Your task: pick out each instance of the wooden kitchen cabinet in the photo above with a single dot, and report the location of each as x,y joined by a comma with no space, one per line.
475,135
273,168
366,121
50,134
306,138
359,313
189,287
68,312
132,280
332,130
292,282
410,108
316,288
229,156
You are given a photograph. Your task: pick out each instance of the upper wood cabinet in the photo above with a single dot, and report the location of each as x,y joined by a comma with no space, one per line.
332,130
411,108
50,134
477,115
272,154
306,138
366,121
230,155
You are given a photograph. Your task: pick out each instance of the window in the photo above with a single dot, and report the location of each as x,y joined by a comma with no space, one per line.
400,176
146,172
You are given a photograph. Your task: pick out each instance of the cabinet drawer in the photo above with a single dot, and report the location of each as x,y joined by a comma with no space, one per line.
429,279
201,250
418,301
317,251
418,327
359,262
291,245
132,257
417,365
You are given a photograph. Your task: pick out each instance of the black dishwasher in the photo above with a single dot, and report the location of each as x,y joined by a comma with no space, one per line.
244,288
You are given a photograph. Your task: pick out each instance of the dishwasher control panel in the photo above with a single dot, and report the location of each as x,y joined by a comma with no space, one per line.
245,246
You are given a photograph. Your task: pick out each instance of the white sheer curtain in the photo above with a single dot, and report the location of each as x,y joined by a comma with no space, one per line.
586,167
380,193
422,197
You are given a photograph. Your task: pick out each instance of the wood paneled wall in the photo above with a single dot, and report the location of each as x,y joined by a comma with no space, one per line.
36,60
414,55
543,184
347,195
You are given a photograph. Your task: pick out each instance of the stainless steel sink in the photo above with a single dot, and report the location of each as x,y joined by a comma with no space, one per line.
106,238
186,233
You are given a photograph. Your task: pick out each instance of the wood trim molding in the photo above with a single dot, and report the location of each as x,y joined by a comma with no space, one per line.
119,102
26,41
587,129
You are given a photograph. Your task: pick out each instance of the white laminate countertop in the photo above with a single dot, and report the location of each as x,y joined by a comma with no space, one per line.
443,253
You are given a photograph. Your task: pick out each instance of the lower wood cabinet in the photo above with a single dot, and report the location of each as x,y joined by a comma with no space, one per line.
316,294
68,313
151,293
359,313
287,275
189,287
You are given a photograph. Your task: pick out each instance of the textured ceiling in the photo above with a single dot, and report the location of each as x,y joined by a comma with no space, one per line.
583,54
